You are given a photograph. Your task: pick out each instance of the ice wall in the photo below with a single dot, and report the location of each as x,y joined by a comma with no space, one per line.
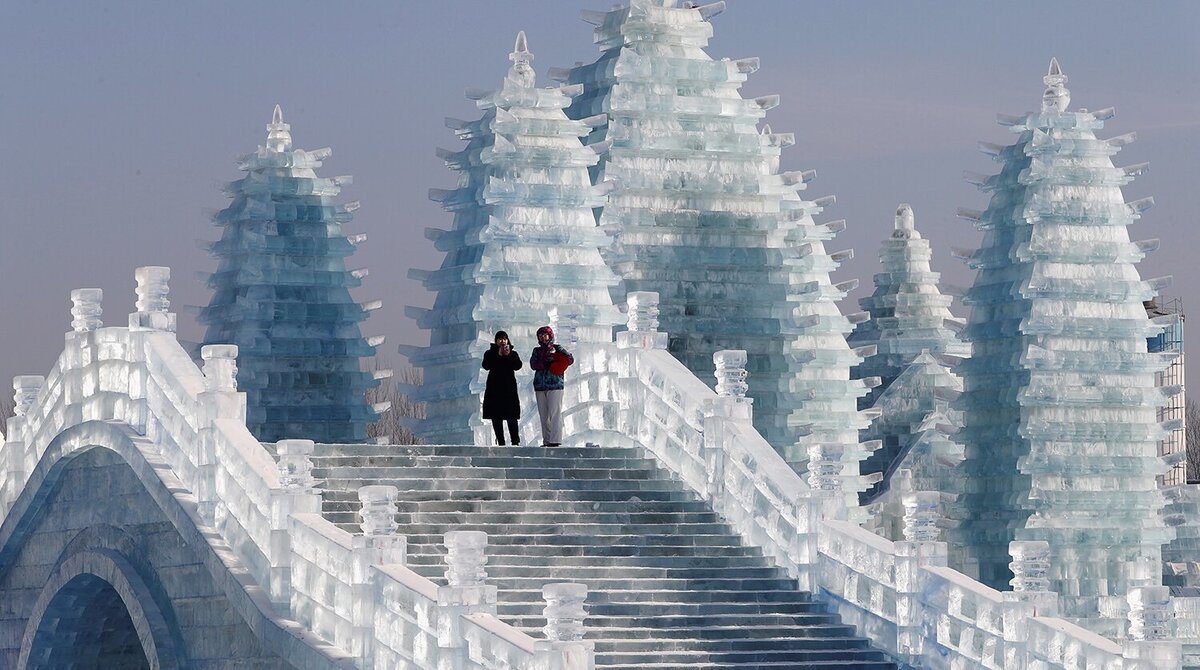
524,242
703,217
1060,434
908,312
281,293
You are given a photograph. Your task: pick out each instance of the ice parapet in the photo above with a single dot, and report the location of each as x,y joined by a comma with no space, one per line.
1060,433
524,242
703,217
281,293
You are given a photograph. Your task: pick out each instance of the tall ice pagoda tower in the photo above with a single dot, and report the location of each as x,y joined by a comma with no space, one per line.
524,243
1060,432
703,216
281,293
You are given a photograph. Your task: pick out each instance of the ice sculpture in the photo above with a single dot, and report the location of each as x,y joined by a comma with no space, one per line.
703,217
281,294
917,453
1059,399
908,312
1181,558
524,242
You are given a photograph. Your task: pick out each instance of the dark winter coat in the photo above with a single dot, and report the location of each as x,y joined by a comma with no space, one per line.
500,400
539,361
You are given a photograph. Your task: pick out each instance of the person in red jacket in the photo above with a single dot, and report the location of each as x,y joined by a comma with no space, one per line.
549,363
500,400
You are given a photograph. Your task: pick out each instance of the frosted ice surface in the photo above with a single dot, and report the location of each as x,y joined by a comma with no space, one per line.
524,241
703,217
1060,433
281,293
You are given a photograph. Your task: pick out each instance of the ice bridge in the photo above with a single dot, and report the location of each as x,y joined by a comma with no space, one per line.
142,526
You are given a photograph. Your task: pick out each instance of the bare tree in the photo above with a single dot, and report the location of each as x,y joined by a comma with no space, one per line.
7,409
1192,439
394,423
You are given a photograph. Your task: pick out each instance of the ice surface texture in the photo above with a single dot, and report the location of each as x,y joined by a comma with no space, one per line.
281,293
524,241
703,217
1060,433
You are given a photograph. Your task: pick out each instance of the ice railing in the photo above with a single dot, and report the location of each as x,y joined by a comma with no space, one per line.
899,594
352,591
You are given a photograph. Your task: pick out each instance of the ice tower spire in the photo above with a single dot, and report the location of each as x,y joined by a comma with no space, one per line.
524,241
703,217
908,318
1059,424
281,294
279,136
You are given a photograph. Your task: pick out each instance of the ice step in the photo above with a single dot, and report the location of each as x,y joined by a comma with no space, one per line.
403,461
634,486
790,665
503,561
817,658
498,573
665,597
558,495
592,552
522,451
531,506
666,622
515,521
551,542
468,472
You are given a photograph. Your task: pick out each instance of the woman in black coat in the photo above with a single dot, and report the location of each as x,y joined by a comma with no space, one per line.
500,400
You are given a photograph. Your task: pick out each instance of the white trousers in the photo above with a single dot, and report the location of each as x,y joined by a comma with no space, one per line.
550,411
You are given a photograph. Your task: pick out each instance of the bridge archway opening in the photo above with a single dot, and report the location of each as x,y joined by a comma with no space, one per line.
87,627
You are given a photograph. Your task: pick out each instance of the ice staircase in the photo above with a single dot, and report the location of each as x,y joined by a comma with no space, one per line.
669,584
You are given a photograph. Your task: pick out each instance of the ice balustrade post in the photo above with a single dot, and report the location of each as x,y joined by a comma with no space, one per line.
219,400
378,544
825,479
86,309
1150,640
920,548
731,404
152,303
564,319
642,333
15,463
1031,581
564,647
466,591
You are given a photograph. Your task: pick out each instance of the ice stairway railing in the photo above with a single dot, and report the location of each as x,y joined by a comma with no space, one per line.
353,593
668,583
901,595
348,596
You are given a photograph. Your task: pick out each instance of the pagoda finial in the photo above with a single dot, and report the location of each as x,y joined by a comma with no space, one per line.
905,223
1057,96
521,73
279,136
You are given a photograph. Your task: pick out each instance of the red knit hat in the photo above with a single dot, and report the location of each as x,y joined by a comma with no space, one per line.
547,330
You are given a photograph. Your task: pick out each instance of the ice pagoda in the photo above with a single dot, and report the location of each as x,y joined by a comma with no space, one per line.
1060,433
524,247
917,453
702,216
281,293
908,312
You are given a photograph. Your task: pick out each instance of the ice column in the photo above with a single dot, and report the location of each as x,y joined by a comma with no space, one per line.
1060,431
524,242
378,508
281,294
703,217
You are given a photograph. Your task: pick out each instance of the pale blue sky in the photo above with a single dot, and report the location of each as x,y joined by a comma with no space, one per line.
120,121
